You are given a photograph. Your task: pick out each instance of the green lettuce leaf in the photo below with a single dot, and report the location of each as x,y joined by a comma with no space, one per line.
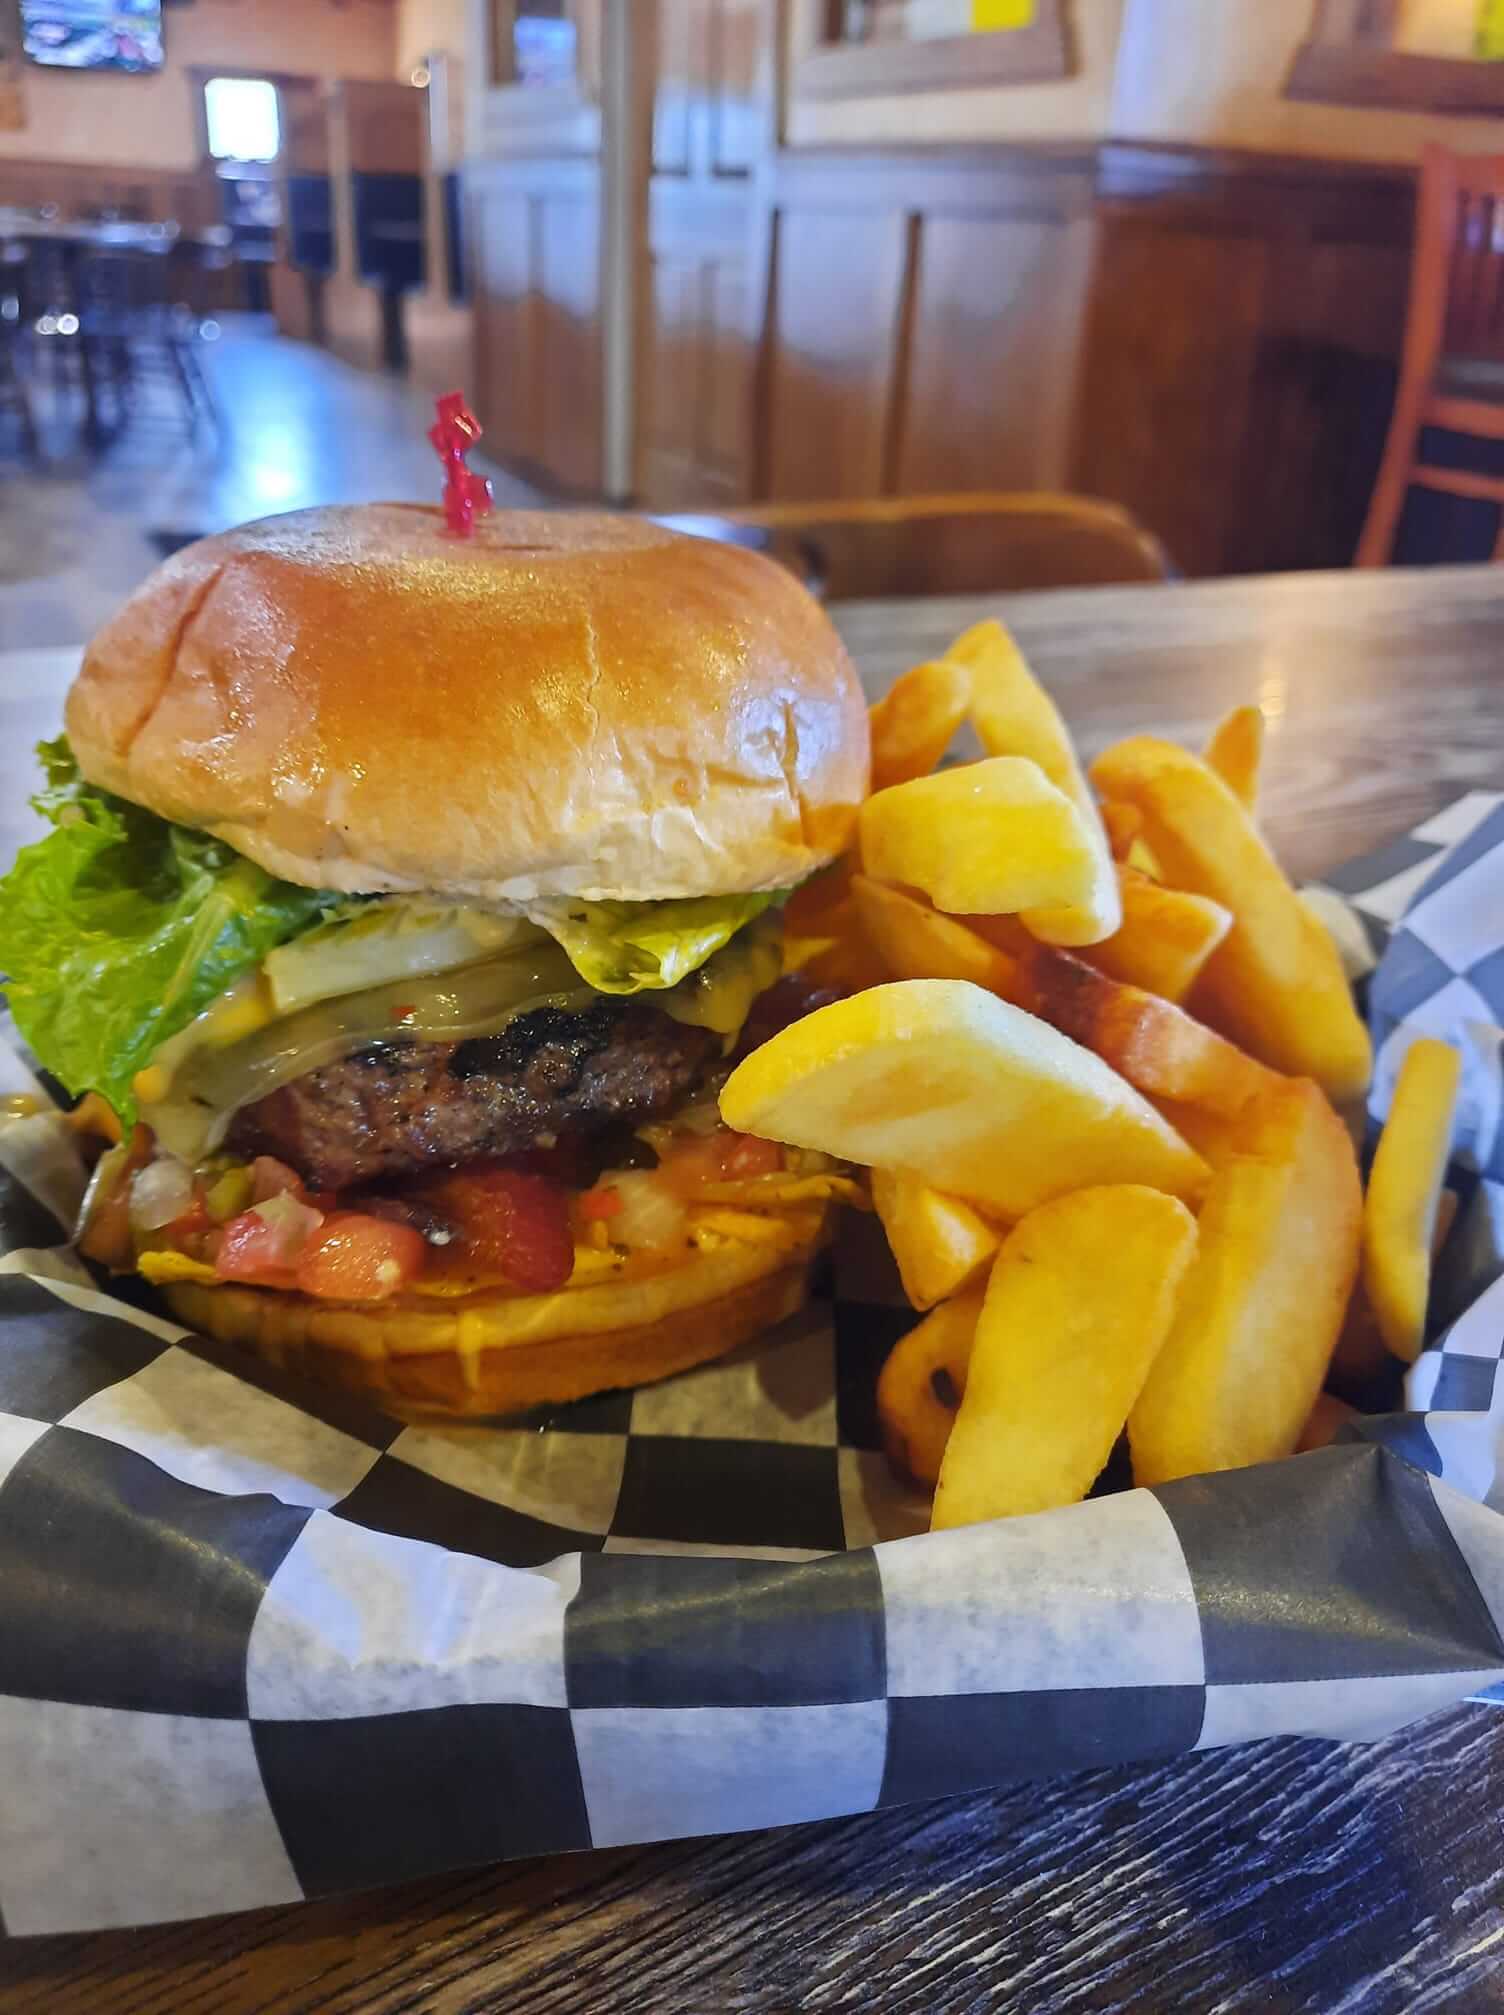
119,927
624,948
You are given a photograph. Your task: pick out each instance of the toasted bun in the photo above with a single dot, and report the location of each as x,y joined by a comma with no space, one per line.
563,704
493,1354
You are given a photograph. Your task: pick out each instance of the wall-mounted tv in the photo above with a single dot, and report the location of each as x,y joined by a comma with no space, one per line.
93,34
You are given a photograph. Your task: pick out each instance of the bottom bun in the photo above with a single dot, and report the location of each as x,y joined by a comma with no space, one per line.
496,1354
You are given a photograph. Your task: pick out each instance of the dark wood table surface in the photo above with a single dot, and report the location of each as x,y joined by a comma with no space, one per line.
1281,1876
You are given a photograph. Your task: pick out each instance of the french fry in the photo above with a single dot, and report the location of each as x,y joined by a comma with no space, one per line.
1264,1300
948,1083
1078,1306
1015,716
1165,940
1362,1362
1404,1188
1007,934
1236,753
1212,1136
917,942
914,723
921,1383
996,836
1123,824
937,1241
1275,984
1153,1044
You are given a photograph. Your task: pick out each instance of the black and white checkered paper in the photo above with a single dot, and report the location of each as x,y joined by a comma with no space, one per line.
258,1643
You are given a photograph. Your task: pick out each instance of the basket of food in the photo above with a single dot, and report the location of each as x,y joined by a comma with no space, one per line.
599,1247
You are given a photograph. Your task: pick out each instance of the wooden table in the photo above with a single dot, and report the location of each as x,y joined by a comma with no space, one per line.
1284,1876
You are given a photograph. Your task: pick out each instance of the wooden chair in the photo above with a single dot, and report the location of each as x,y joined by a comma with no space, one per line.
1452,368
968,543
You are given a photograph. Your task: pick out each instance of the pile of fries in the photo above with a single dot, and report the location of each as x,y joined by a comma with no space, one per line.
1104,1066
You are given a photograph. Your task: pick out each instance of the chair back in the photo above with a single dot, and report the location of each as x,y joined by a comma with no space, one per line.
1457,280
980,542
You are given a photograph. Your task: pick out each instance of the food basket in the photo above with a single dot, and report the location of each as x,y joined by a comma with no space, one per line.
258,1644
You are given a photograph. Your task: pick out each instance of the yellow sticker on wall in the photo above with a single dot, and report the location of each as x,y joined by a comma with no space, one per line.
1489,41
1003,13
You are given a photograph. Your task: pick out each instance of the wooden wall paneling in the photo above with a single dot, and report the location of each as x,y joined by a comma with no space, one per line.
352,312
1171,345
1001,273
695,414
305,128
1245,313
296,297
996,330
838,309
296,302
566,262
925,318
383,127
507,311
713,118
536,298
534,200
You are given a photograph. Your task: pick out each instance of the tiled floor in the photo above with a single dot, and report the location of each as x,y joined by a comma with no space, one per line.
299,427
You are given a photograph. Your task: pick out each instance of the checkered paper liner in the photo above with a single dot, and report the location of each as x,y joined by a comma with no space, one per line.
259,1643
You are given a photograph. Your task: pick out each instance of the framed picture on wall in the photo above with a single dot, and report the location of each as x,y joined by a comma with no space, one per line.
1405,55
867,48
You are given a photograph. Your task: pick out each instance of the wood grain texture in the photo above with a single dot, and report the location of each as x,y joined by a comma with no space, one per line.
927,308
1243,322
535,243
996,327
950,543
834,344
711,119
1286,1877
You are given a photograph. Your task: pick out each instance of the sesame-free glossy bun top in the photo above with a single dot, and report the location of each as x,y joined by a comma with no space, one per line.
562,704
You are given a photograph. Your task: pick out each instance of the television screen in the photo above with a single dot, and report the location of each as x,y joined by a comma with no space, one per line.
93,34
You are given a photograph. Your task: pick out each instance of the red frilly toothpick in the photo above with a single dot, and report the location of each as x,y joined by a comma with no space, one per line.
466,495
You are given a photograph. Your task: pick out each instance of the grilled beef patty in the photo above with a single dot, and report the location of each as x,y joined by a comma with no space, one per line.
399,1108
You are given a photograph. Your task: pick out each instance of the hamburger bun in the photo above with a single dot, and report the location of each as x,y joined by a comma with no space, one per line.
563,704
497,1353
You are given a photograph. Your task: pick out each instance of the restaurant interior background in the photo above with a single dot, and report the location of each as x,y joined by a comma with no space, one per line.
702,254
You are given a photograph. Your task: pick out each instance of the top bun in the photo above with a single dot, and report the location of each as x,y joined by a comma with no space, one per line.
568,704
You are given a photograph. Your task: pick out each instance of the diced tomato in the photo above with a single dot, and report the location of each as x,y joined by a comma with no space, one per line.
187,1229
270,1177
721,1156
596,1205
265,1243
510,1220
355,1257
745,1154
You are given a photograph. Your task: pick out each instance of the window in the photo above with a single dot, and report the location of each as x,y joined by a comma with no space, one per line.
242,117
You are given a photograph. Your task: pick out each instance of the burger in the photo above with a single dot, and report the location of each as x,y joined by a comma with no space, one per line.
406,900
